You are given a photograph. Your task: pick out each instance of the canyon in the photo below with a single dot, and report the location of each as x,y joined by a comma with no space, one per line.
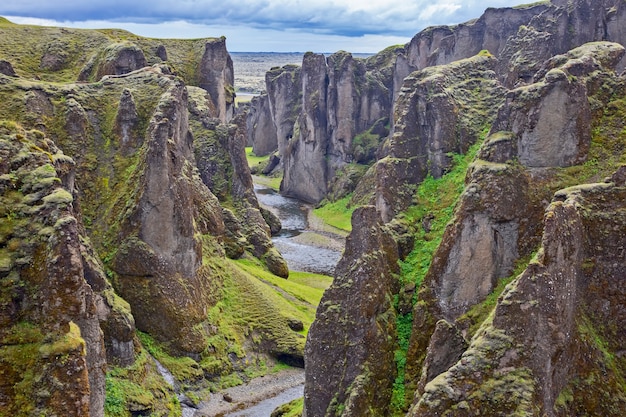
484,165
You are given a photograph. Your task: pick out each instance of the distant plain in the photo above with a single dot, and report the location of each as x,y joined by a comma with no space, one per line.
250,68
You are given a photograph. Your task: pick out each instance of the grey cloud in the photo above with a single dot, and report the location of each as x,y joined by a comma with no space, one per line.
306,16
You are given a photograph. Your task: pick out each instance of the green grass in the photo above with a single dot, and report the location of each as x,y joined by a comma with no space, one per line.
337,213
254,160
435,198
182,368
271,182
139,384
303,286
243,99
256,164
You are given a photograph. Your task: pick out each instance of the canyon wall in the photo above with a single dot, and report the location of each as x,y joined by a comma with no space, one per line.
497,305
120,163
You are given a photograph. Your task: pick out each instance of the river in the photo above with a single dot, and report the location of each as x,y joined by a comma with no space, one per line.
304,247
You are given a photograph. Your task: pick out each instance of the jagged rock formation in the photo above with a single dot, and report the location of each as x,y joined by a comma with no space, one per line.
551,329
316,112
362,292
551,343
114,220
52,357
358,93
440,111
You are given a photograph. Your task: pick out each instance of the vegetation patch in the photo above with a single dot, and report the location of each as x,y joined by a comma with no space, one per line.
291,409
139,390
337,214
432,210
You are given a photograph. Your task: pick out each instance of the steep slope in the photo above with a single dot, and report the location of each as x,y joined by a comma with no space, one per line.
461,350
52,352
336,113
124,189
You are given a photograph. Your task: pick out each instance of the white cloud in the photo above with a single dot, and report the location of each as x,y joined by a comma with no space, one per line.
440,10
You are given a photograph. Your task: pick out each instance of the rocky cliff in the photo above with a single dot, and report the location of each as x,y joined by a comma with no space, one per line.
124,185
492,182
357,93
316,113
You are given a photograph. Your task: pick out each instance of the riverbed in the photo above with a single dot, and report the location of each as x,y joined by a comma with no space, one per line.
305,244
257,398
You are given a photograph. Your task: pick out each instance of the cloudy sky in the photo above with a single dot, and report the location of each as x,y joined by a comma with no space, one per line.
259,25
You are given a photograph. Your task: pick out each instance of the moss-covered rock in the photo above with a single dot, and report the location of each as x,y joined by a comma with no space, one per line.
355,324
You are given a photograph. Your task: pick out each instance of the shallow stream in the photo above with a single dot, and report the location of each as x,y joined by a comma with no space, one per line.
303,249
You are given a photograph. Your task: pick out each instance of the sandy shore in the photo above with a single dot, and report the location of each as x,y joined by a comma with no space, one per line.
247,395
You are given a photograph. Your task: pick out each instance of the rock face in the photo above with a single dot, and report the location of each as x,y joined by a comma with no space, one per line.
284,93
307,150
357,93
440,111
317,111
221,160
52,357
217,77
108,211
549,106
361,293
558,306
260,126
159,264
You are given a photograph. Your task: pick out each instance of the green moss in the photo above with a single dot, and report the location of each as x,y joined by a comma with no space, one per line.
184,369
25,360
139,388
69,342
434,203
291,409
59,197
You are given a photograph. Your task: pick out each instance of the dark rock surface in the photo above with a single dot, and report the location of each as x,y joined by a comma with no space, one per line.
350,345
539,340
547,103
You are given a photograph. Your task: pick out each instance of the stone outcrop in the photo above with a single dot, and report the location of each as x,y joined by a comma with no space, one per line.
554,122
317,112
52,357
441,111
159,261
284,94
260,126
344,356
498,217
444,44
217,77
306,171
7,69
548,331
221,160
115,59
